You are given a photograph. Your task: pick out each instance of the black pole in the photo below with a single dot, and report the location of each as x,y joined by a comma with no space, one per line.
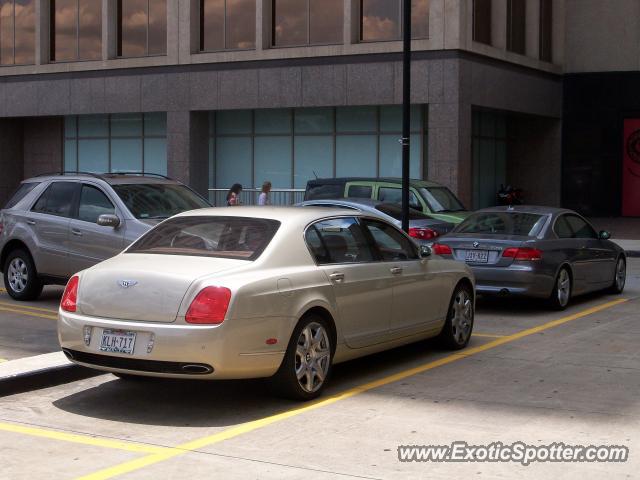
406,110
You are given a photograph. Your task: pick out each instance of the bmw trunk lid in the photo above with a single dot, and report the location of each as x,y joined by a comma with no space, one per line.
144,287
478,250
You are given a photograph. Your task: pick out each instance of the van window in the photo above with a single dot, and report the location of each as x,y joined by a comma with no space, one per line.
359,191
318,192
394,195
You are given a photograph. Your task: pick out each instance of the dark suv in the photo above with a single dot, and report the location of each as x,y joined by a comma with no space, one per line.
56,225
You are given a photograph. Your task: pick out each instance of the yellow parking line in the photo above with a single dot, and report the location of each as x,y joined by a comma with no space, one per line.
3,290
28,307
29,313
142,462
83,439
487,335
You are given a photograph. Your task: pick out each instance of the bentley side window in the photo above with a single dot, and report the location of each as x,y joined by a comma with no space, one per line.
338,240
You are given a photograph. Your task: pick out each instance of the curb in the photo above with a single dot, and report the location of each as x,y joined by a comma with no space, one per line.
43,378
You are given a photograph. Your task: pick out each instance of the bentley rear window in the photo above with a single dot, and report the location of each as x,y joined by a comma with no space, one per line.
223,237
503,223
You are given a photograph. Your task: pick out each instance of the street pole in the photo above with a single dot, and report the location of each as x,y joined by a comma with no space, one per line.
406,110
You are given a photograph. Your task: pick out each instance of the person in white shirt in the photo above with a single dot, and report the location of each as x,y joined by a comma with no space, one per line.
263,199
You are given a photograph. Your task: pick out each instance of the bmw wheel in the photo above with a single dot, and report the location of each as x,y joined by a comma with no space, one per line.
562,289
620,276
306,366
457,329
20,276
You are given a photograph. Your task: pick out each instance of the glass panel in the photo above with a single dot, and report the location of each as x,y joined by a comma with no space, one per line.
157,27
70,156
133,28
486,173
391,156
546,34
314,120
93,203
234,122
380,20
356,119
273,121
233,161
155,155
126,155
70,126
488,124
65,30
482,21
313,156
212,25
25,31
90,32
93,126
391,118
344,240
420,18
516,19
273,161
6,32
93,156
290,22
241,23
326,21
155,124
356,155
126,125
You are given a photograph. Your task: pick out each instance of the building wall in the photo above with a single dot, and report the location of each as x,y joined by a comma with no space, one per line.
11,158
42,145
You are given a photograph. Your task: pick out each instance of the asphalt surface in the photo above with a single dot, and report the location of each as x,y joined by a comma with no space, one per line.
528,375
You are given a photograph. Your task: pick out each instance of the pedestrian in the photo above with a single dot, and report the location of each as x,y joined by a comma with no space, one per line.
233,195
263,199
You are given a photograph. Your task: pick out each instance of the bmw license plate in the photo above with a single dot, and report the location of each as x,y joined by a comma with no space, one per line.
477,256
117,341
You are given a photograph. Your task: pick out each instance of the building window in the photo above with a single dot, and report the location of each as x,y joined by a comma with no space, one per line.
227,25
382,20
17,32
290,146
482,21
516,25
307,22
546,25
142,28
116,143
489,147
76,30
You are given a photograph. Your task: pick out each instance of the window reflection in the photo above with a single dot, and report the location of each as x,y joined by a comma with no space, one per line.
76,30
300,22
142,28
17,32
227,24
382,19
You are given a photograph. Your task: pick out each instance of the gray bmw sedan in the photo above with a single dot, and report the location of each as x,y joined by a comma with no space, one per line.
537,252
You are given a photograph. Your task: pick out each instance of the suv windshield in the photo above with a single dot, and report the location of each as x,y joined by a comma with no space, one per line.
441,199
158,200
502,223
223,237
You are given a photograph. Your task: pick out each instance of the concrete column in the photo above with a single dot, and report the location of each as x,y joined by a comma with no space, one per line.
109,29
188,148
351,22
189,29
43,145
173,30
263,24
532,45
499,24
42,31
11,157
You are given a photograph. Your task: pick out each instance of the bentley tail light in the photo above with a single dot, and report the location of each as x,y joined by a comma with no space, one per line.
209,306
69,302
524,254
440,249
422,233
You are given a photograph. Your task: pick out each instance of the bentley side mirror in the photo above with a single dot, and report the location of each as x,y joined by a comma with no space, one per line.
604,235
108,220
425,251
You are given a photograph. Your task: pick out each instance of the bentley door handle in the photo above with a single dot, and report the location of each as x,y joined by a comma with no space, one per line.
77,233
337,276
396,270
31,222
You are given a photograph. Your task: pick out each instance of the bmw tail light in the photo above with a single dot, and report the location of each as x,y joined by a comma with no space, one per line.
209,306
523,254
69,302
422,233
440,249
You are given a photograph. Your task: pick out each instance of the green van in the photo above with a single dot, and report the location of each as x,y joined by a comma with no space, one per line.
428,197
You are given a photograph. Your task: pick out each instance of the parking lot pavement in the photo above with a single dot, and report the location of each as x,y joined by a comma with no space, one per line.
29,328
529,375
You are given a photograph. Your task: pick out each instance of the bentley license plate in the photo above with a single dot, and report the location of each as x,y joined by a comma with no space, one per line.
477,256
117,341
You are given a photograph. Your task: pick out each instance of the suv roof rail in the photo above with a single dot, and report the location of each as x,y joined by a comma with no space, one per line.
102,175
70,172
142,174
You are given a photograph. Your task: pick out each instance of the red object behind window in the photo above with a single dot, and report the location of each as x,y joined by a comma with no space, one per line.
209,306
69,302
440,249
523,254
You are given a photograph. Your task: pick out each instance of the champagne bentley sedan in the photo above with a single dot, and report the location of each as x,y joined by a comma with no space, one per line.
249,292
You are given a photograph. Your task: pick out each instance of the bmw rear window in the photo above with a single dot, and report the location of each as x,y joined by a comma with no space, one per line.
240,238
503,223
22,192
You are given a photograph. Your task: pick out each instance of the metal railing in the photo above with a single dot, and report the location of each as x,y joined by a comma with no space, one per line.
249,196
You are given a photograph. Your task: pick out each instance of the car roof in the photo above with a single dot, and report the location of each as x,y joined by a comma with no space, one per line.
340,180
537,209
110,178
280,213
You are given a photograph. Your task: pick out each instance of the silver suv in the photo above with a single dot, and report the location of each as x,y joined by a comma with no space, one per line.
56,225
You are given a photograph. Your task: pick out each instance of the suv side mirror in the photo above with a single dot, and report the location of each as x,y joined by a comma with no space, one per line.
604,235
108,220
425,251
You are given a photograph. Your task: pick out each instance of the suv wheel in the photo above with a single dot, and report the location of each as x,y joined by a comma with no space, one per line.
20,276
